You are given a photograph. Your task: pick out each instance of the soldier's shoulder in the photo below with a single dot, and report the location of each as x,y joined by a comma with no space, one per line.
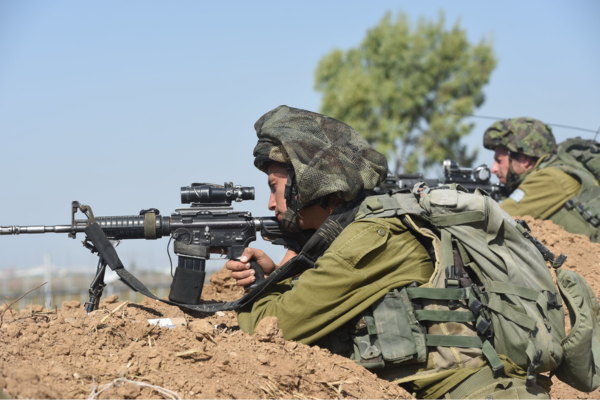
551,174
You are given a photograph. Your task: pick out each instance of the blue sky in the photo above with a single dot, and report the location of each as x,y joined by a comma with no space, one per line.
118,104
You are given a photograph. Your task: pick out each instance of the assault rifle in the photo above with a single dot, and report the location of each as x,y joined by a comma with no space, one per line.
469,178
208,226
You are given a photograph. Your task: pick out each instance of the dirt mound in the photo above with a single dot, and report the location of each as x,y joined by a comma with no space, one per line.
116,353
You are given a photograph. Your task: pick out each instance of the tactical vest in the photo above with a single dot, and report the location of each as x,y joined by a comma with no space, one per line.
491,293
580,214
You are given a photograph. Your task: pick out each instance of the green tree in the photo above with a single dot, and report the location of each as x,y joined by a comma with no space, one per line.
405,87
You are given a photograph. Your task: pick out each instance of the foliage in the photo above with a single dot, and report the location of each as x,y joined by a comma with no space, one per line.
404,89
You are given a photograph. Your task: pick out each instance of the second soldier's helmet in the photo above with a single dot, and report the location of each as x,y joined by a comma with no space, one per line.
325,156
523,135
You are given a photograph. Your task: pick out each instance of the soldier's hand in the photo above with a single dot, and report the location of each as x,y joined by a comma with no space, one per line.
241,271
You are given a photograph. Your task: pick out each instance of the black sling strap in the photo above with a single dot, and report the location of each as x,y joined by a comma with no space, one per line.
320,241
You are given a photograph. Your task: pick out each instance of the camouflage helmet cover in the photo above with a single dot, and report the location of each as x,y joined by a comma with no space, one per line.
327,155
523,135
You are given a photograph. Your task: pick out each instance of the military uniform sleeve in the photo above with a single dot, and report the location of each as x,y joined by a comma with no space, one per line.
369,258
541,194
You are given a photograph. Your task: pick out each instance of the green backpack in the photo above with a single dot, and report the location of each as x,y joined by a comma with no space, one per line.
581,347
491,293
581,159
579,153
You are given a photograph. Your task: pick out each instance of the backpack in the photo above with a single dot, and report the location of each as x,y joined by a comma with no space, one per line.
581,153
581,159
581,363
491,293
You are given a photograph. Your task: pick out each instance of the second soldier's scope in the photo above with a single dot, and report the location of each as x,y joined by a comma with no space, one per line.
208,193
458,174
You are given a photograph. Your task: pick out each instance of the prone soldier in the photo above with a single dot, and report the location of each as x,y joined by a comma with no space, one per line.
540,179
321,173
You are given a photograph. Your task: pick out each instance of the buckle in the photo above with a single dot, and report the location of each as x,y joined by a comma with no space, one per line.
537,360
581,208
452,283
524,224
475,306
496,372
551,298
569,204
483,325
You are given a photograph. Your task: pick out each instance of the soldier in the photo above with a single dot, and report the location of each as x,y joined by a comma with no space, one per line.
538,182
320,171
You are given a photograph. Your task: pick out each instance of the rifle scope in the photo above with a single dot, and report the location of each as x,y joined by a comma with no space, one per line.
208,193
456,173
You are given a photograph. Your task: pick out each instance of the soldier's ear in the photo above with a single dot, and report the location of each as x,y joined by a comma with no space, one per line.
530,161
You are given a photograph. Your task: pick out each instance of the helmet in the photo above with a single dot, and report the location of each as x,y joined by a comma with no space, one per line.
521,135
324,156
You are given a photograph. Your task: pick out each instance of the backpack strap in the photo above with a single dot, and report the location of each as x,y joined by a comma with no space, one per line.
389,205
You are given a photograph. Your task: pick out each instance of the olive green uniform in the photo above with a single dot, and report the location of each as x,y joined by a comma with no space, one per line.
368,259
541,193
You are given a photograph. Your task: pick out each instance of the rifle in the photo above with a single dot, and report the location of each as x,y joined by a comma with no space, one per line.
208,226
469,178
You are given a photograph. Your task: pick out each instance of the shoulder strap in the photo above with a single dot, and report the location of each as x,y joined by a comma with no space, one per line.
389,205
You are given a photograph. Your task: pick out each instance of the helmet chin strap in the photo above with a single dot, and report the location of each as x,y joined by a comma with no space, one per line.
290,217
512,178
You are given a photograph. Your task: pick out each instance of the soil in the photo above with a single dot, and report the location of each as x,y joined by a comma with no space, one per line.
115,353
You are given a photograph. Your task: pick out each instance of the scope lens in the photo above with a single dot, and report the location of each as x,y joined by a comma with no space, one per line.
482,173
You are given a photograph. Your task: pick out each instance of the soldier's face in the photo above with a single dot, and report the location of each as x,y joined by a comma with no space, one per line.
308,218
500,167
277,175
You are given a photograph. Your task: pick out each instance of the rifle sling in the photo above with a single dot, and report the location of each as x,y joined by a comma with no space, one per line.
320,241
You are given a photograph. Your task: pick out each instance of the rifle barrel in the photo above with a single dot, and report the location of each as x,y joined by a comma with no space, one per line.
20,230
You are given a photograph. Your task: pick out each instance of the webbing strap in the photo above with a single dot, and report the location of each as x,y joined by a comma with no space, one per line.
541,298
438,293
509,288
511,314
444,316
490,354
466,217
374,204
447,253
469,341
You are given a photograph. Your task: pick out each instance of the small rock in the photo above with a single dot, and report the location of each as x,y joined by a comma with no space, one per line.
110,300
201,327
68,305
263,359
268,330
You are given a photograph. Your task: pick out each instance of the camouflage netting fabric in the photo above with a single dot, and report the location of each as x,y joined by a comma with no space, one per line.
327,155
521,135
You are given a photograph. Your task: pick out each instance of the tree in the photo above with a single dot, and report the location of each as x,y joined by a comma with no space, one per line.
404,89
